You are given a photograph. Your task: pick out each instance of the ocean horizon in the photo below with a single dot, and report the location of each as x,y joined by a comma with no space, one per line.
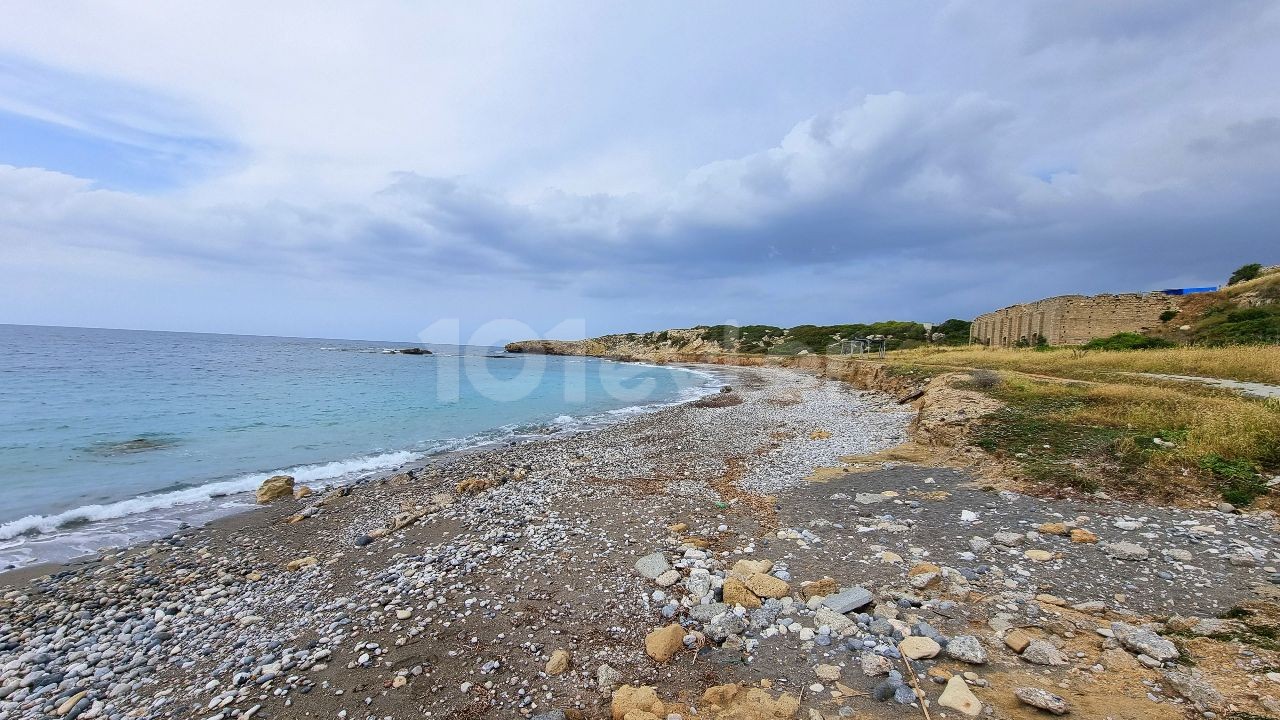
111,437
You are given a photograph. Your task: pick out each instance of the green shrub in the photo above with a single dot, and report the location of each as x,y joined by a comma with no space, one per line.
1127,341
1245,273
1246,314
1168,315
1240,482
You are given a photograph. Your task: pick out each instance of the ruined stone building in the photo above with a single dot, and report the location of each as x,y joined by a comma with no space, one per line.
1070,319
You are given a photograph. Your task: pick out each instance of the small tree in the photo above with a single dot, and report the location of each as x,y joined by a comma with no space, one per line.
1245,273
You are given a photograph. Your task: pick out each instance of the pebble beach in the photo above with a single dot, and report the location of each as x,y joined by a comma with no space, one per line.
677,564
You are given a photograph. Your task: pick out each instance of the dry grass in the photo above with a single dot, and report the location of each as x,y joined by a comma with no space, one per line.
1092,435
1255,363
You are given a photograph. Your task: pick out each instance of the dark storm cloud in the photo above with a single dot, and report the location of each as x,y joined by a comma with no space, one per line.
1106,146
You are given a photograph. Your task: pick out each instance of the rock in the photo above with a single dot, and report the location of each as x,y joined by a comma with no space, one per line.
1117,659
704,613
875,665
274,488
967,648
1008,539
628,699
1083,536
607,678
559,662
735,592
1042,652
829,673
921,581
919,648
668,578
744,568
724,625
301,563
957,696
1226,507
1043,699
838,623
871,498
413,351
653,565
1145,642
663,644
818,588
1126,551
1192,686
767,586
70,702
740,702
1054,528
1017,640
848,600
302,491
1038,555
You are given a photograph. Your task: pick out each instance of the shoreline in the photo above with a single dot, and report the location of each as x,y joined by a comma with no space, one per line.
451,589
187,513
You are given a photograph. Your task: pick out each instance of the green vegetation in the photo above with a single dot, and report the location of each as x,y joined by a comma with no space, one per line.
1128,341
1253,364
1240,482
1228,325
1129,436
1245,273
1168,315
773,340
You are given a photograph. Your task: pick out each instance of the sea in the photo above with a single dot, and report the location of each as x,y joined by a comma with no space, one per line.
112,437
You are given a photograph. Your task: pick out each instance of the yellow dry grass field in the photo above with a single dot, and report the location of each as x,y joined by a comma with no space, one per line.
1080,419
1253,363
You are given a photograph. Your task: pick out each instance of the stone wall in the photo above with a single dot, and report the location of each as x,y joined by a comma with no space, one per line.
1071,319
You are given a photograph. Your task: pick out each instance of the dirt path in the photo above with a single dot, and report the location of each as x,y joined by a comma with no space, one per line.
1248,388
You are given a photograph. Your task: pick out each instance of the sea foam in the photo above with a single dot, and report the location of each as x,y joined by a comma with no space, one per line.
302,474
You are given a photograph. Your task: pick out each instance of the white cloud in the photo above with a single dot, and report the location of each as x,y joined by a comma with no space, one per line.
619,157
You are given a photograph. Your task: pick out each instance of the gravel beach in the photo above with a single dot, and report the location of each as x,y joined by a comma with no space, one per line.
680,563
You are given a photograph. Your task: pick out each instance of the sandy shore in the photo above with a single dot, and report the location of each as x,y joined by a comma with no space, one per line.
449,591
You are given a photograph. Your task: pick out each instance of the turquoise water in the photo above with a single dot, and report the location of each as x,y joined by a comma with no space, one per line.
112,436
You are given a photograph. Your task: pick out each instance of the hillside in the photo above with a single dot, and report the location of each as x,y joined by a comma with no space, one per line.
1244,313
761,339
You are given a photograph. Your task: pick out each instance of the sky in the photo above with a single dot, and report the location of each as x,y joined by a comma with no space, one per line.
406,170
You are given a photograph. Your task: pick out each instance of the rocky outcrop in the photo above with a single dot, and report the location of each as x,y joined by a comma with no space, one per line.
274,488
414,351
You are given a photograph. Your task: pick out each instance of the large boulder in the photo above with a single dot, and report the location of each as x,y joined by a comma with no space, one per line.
957,696
630,700
1145,642
663,644
274,488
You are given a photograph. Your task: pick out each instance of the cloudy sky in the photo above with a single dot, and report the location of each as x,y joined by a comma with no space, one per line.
365,170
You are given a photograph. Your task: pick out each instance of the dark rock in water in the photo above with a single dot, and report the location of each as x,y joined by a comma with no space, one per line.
136,445
414,351
726,389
